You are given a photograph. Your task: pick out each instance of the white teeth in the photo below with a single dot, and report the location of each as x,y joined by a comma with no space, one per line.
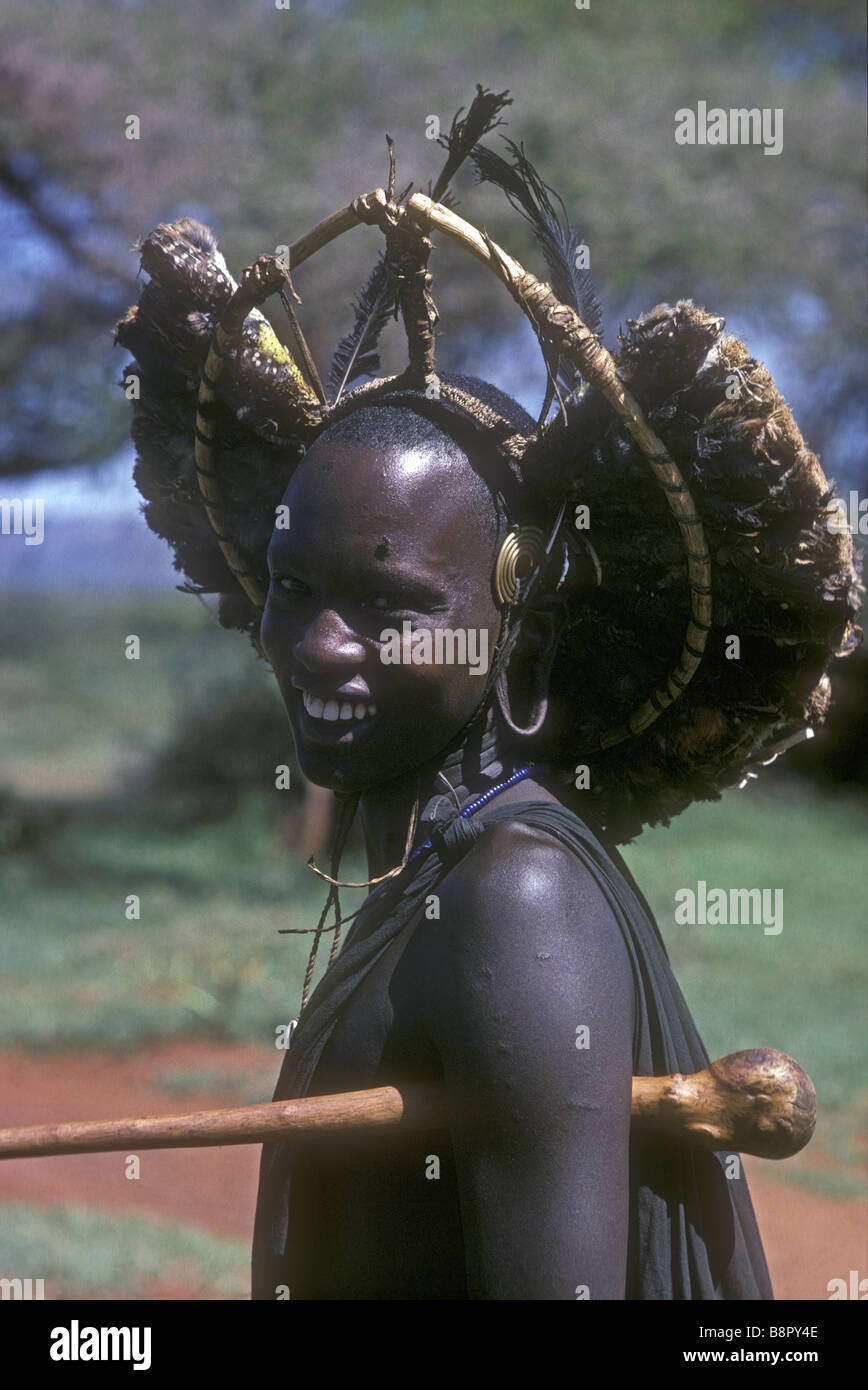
333,710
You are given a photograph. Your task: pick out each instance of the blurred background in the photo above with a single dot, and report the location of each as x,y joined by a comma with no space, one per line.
154,778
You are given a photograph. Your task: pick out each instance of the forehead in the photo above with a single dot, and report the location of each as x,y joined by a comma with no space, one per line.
426,493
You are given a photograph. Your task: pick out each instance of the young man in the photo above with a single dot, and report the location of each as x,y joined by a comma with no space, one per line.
471,621
506,963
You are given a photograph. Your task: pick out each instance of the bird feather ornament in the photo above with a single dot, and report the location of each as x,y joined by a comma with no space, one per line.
356,354
556,238
482,118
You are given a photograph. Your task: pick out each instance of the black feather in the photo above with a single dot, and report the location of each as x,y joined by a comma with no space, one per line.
482,117
557,239
356,354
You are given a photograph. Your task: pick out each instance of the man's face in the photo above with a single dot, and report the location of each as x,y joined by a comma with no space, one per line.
378,538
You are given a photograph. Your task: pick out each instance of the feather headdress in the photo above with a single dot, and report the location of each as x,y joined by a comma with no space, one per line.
676,480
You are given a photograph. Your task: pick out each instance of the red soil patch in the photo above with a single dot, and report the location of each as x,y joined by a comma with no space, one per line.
809,1238
211,1188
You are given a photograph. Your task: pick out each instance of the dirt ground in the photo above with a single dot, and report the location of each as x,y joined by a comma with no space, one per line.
809,1238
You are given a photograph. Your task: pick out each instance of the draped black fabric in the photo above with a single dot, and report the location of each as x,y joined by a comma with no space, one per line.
692,1229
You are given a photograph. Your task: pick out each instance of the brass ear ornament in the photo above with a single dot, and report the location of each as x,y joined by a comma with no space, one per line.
519,555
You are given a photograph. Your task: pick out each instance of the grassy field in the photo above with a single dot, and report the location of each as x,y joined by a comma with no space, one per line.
86,1255
82,834
802,990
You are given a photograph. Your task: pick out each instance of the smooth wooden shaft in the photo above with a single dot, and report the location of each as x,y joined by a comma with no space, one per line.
332,226
758,1102
435,216
248,1124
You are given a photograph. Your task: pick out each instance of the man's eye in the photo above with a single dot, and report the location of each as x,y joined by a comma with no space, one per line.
392,604
288,585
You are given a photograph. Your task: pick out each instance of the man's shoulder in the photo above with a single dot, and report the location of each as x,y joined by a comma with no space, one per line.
520,860
519,907
519,882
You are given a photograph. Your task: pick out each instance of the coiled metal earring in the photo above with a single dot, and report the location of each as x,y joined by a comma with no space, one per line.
519,555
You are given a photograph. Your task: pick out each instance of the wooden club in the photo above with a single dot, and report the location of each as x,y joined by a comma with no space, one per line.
757,1102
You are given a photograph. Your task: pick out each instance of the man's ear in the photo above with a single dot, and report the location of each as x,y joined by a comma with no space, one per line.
523,687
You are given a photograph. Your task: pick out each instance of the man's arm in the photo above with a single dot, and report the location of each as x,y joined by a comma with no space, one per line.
528,996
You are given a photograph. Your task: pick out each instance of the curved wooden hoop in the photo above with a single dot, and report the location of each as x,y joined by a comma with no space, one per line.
562,325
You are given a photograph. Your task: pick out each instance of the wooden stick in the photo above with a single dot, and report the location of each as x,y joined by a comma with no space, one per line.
246,1124
332,226
759,1102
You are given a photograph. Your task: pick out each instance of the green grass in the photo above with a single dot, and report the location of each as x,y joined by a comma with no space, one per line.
204,957
801,991
73,703
235,1088
80,1253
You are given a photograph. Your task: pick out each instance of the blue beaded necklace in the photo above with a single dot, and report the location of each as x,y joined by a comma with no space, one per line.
473,806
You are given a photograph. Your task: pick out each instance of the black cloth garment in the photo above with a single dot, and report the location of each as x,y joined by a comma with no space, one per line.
692,1230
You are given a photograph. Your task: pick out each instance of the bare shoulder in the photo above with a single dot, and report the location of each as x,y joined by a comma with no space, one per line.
516,869
520,900
519,949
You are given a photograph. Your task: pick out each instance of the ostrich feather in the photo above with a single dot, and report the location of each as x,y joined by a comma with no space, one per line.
356,354
483,117
556,238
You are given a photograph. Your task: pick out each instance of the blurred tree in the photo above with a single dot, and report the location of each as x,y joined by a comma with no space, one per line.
236,746
223,751
263,120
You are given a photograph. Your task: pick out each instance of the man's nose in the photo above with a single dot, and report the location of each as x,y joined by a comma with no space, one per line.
326,643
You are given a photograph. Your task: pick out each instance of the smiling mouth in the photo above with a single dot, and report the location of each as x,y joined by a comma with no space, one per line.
337,711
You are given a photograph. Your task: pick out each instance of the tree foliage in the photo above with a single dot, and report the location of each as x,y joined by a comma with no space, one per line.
262,121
